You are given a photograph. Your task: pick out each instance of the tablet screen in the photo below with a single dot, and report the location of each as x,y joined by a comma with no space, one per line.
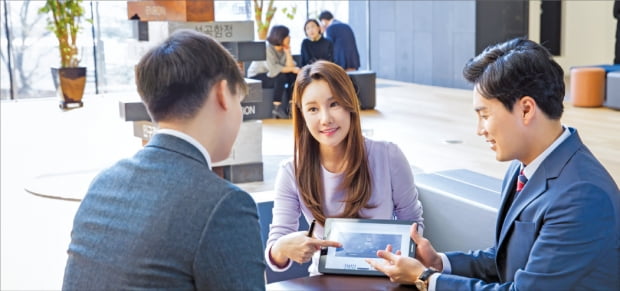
361,238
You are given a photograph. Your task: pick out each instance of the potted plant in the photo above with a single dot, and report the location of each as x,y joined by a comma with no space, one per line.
64,21
263,21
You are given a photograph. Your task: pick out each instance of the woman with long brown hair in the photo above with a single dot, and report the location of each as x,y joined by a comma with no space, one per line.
335,170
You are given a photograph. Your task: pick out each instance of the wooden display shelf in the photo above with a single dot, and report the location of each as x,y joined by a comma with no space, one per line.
166,10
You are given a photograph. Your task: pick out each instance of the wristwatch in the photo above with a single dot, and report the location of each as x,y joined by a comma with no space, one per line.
422,282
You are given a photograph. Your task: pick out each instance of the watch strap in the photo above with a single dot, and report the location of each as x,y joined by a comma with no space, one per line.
427,274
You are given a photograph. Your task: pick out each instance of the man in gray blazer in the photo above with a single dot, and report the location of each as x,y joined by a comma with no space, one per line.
162,219
558,225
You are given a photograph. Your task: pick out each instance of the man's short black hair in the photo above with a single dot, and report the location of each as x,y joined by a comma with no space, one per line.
326,15
175,77
516,68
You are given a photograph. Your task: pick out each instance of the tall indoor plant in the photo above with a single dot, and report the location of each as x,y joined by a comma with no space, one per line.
64,21
264,16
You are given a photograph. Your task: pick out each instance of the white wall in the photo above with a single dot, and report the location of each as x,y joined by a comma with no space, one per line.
588,32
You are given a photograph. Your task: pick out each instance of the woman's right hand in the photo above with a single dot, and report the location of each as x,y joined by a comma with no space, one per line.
298,247
286,49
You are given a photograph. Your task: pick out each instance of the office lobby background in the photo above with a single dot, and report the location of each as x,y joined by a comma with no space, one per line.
418,42
424,42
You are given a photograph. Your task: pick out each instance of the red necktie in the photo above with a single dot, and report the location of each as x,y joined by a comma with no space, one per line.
521,180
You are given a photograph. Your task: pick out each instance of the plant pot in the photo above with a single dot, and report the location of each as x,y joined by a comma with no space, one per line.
262,33
69,83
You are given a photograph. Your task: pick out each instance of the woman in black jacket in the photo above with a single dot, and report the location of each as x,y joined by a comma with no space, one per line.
315,46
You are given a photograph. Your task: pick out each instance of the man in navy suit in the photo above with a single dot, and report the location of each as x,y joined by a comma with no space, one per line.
345,49
162,219
559,227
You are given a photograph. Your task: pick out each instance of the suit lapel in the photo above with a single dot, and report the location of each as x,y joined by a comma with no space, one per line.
510,181
550,168
534,187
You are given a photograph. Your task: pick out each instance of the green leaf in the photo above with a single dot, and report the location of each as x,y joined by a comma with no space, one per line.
64,20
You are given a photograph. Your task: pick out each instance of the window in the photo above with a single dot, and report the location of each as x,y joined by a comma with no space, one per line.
109,46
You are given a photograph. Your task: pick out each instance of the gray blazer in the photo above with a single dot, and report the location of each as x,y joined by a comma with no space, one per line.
163,220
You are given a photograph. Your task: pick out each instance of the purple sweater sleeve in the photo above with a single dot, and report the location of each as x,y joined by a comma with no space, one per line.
404,192
286,210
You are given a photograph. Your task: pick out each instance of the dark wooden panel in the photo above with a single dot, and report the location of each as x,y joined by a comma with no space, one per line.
499,21
165,10
551,26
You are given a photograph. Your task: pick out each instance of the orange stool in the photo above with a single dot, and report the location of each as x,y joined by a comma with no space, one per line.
587,86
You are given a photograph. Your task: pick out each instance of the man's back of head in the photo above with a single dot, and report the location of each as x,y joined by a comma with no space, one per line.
326,15
174,78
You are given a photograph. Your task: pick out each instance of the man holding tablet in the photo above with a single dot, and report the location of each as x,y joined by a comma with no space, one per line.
558,225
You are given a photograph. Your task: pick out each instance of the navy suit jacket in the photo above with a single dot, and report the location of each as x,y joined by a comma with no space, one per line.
562,231
345,47
163,220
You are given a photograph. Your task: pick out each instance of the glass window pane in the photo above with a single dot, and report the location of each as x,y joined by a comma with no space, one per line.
294,21
35,50
118,49
32,48
229,10
114,45
340,9
5,93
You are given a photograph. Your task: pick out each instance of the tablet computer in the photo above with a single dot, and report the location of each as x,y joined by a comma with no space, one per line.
360,239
